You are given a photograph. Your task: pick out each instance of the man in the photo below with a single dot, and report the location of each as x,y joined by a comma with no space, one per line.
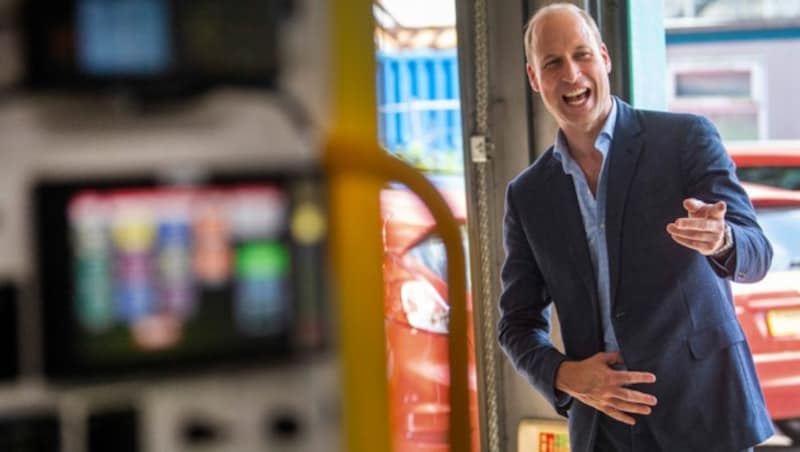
631,224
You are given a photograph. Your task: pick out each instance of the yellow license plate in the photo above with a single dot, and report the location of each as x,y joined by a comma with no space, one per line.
784,322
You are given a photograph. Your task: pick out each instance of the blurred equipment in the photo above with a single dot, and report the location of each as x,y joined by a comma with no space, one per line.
546,435
138,277
10,58
32,432
170,253
114,429
284,411
9,344
151,46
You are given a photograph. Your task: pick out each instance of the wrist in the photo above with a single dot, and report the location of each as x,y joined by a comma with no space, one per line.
562,376
727,243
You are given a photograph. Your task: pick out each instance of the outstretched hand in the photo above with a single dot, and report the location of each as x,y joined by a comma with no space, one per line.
595,383
703,230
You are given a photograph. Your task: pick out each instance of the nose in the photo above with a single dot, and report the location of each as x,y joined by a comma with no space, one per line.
572,71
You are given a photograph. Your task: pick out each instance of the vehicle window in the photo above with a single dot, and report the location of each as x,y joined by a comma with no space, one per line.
431,253
780,226
777,176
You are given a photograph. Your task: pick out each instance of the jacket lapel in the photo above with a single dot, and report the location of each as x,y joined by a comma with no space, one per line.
568,221
625,150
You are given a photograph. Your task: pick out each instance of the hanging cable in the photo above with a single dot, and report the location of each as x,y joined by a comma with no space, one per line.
481,159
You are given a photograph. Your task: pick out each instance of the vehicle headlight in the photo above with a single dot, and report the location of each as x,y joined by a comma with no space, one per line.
424,307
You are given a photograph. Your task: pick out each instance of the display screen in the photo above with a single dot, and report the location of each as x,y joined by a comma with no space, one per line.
155,276
151,46
123,37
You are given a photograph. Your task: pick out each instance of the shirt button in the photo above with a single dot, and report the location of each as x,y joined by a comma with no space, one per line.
602,225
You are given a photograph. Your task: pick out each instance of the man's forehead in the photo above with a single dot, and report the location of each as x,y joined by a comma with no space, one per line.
560,31
544,51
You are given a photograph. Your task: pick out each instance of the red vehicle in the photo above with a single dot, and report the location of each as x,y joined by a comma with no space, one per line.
773,163
769,311
416,316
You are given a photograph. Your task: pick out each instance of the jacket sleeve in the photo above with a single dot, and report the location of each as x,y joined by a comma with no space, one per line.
709,175
524,325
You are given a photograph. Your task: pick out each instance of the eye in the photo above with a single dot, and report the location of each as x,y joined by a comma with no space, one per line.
550,64
583,55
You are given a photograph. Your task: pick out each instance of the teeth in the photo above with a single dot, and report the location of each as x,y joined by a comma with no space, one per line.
576,93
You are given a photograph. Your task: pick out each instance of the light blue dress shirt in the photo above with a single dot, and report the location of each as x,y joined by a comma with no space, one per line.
593,212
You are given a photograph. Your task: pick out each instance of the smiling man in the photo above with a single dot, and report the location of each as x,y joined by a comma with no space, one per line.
632,224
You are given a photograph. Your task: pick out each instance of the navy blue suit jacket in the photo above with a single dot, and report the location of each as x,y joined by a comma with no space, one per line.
671,307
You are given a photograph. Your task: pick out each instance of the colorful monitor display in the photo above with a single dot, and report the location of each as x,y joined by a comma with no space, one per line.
151,47
123,37
140,276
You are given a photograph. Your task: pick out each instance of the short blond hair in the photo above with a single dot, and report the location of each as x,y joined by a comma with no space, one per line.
533,22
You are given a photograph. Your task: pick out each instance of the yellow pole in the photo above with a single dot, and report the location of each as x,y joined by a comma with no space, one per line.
357,168
357,254
379,166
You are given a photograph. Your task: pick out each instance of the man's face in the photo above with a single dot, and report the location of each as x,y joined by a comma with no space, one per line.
569,68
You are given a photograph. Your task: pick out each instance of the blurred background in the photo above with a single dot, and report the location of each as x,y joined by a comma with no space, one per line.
165,283
162,225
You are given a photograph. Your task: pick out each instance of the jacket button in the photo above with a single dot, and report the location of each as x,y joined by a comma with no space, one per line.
740,275
619,315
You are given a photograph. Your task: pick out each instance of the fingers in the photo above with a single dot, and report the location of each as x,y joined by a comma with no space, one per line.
618,409
622,402
619,415
692,205
693,235
710,238
699,224
595,383
635,397
629,407
699,209
627,377
702,232
718,210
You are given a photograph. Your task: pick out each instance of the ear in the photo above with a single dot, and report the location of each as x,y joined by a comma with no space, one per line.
606,57
532,77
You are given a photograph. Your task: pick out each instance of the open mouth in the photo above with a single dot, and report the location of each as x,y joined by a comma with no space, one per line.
577,97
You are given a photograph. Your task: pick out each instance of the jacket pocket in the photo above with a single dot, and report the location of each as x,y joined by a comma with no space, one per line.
706,341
